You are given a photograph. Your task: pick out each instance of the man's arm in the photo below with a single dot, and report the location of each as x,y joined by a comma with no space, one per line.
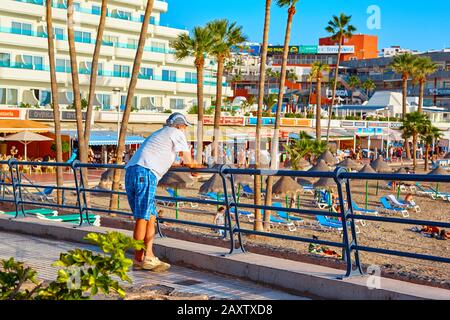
186,157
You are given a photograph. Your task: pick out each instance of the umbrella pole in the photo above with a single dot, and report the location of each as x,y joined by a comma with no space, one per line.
176,203
437,189
287,205
367,194
239,193
298,200
377,187
398,191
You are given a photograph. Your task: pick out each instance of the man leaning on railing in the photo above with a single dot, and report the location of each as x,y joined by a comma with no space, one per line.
147,166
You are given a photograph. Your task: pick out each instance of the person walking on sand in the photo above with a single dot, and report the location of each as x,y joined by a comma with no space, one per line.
143,172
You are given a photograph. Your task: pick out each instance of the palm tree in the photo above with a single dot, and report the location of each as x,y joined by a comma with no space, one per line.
270,101
269,73
55,103
290,4
339,28
198,46
258,226
429,134
412,126
128,104
422,67
94,71
235,79
404,64
369,85
354,82
248,103
317,70
226,36
304,147
82,147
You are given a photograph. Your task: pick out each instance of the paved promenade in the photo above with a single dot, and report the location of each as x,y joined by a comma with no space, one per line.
40,253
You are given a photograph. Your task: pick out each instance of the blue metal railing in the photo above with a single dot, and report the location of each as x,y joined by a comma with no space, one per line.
341,177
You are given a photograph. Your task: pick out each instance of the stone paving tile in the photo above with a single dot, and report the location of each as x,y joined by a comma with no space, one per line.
41,253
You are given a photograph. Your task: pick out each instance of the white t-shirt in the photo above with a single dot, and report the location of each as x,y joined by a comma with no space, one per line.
158,152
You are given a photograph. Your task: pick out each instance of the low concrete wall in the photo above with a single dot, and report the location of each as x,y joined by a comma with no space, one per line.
284,274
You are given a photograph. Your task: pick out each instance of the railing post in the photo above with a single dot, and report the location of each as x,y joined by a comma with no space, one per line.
17,193
78,185
236,215
227,205
344,214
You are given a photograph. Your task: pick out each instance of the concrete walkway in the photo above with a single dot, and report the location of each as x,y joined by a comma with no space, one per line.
40,253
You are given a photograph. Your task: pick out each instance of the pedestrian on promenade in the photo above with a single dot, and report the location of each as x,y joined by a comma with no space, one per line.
148,165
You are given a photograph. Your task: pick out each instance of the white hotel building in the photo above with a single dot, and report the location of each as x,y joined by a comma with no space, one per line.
164,83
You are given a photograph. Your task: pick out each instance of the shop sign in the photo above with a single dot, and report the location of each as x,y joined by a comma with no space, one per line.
225,121
251,121
290,122
370,131
40,114
9,114
308,49
335,49
378,124
71,115
280,49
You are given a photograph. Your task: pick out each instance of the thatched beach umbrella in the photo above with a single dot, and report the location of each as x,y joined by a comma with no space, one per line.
325,183
367,169
214,184
348,163
438,172
303,163
285,186
321,166
242,180
175,180
328,157
380,166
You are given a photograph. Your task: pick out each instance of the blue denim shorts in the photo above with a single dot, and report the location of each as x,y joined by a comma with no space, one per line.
141,184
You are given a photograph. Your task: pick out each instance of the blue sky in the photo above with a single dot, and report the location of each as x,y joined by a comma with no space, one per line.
414,24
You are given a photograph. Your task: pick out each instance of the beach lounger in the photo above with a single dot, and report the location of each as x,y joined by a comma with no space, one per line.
280,222
401,204
327,224
248,192
308,189
33,212
387,207
250,216
212,196
421,190
286,216
171,192
72,218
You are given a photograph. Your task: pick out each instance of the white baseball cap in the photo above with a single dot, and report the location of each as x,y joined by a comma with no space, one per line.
178,118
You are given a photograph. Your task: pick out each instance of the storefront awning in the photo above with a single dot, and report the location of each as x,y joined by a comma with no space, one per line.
13,126
108,138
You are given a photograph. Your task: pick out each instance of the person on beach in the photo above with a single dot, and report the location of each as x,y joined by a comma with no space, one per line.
144,170
219,220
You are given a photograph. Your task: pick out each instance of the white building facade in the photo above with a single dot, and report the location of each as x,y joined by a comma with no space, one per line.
164,82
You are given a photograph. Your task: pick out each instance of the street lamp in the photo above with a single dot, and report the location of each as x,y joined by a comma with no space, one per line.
116,93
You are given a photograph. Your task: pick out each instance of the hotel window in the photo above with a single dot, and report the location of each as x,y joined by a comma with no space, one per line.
152,19
132,43
31,62
62,4
105,100
158,46
123,102
125,15
8,96
82,36
88,67
21,28
177,104
168,75
58,33
121,71
146,73
63,65
191,77
5,60
97,10
110,40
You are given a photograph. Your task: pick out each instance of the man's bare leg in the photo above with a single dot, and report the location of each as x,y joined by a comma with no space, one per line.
140,230
150,236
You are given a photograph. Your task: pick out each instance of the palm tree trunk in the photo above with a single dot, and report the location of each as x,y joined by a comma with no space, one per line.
414,150
94,71
126,115
333,98
55,103
218,111
258,226
421,90
199,64
76,90
275,138
319,109
427,152
404,101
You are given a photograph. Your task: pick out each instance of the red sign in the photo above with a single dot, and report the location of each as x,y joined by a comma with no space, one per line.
9,113
225,121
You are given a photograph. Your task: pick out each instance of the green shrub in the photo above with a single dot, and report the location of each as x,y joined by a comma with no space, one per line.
83,273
